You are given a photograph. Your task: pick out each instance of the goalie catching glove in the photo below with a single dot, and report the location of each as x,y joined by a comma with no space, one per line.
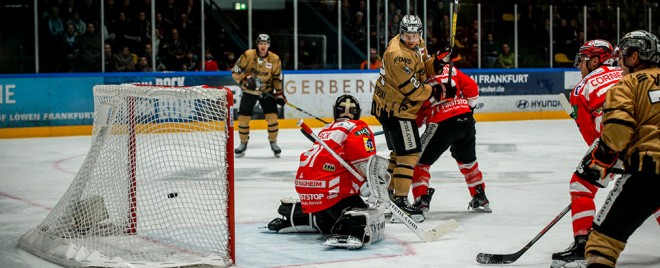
597,164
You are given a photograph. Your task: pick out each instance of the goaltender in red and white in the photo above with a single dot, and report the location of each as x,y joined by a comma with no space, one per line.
330,196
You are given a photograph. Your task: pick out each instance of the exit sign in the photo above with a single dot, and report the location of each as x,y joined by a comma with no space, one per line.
240,6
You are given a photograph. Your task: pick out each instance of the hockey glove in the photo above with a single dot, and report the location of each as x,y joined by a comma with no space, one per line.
444,91
249,82
280,98
597,164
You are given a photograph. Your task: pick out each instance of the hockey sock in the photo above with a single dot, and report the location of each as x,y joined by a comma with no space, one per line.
583,208
403,173
244,128
473,176
390,169
420,181
273,126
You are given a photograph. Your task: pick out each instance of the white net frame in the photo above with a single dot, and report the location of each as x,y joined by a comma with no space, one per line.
156,187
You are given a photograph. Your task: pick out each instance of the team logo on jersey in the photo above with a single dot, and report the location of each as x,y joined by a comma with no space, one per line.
407,70
363,131
269,65
369,145
329,167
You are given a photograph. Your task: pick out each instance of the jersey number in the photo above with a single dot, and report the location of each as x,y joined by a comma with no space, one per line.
311,156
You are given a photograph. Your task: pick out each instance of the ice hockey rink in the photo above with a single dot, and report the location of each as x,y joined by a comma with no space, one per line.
526,167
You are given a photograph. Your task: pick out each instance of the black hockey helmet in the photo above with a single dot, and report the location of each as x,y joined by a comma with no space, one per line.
346,106
263,38
644,43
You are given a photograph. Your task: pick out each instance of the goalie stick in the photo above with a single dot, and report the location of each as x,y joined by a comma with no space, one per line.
430,235
486,258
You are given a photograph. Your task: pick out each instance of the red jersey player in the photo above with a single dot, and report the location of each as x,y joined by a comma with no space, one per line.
599,73
330,200
450,125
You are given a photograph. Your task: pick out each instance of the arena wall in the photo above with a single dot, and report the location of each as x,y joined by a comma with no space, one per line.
62,104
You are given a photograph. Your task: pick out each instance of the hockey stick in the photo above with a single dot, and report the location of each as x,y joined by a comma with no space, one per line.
301,110
486,258
566,104
452,38
427,236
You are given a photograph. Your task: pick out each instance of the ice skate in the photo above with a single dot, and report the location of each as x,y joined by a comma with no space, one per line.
423,202
414,213
276,149
240,151
573,256
479,201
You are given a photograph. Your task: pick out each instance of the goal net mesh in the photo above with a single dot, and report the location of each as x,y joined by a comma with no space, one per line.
155,186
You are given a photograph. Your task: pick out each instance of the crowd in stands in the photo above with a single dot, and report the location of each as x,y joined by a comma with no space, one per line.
70,33
70,37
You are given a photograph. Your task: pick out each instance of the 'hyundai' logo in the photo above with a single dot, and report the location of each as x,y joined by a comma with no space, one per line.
522,104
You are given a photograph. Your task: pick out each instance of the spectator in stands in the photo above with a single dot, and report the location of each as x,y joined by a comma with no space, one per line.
66,12
170,12
108,57
210,65
506,59
489,50
359,30
173,50
191,61
143,65
374,62
142,28
90,50
162,24
124,61
147,52
55,24
70,47
79,25
90,12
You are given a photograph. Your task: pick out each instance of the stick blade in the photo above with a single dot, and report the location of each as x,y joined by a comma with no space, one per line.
486,258
441,230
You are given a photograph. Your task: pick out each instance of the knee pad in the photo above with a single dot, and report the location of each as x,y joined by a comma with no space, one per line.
295,220
366,224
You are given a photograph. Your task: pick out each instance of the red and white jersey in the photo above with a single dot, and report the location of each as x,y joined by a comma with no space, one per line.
321,180
467,93
589,97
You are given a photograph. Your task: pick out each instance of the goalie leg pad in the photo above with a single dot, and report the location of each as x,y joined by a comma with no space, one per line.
294,219
358,227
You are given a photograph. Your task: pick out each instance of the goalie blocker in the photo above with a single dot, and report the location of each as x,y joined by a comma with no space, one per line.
351,223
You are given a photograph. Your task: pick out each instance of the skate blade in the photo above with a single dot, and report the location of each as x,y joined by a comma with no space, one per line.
572,264
483,209
239,155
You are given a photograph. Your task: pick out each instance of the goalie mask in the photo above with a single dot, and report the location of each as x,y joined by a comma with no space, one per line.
598,48
644,43
346,106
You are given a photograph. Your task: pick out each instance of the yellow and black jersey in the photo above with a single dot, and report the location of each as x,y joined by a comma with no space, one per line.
268,70
400,89
631,119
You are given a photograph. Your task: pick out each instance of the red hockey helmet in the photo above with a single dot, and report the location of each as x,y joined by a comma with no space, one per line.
596,48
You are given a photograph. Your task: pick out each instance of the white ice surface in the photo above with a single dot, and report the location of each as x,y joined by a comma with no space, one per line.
526,166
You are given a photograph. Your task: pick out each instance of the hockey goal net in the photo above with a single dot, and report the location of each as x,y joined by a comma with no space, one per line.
156,187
